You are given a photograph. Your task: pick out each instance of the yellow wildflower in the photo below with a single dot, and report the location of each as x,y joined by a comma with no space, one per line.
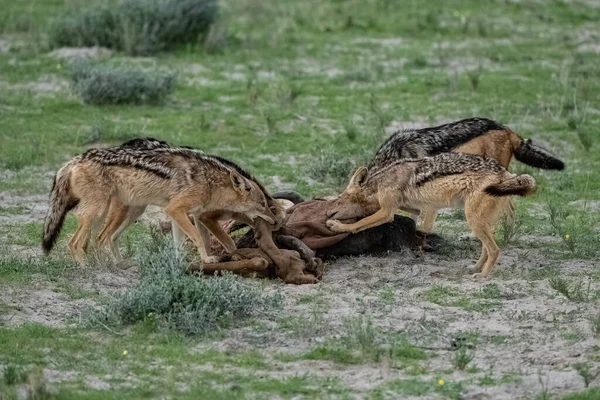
441,382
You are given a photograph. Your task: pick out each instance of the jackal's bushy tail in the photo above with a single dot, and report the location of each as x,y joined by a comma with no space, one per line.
536,156
520,185
61,202
533,155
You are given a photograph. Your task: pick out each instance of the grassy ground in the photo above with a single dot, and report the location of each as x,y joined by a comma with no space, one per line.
299,93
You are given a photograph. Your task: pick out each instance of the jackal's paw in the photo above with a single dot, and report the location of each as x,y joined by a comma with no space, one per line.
474,268
480,275
210,260
335,226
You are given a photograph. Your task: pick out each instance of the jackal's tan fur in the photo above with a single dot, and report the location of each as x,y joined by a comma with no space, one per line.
182,181
120,216
478,184
480,136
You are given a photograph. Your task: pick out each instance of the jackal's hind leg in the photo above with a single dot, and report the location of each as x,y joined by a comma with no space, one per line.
119,217
90,215
482,214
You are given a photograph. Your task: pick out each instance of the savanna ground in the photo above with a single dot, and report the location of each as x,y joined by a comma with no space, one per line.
299,93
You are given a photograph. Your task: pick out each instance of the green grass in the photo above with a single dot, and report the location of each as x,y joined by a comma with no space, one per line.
405,99
590,394
485,300
102,354
17,270
362,343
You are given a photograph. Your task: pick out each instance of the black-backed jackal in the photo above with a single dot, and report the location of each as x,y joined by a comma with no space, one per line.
124,180
456,180
479,136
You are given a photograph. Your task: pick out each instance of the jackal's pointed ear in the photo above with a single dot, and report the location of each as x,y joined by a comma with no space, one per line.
239,182
359,177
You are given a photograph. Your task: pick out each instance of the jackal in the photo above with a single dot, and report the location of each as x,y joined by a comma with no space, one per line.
139,174
120,216
457,180
479,136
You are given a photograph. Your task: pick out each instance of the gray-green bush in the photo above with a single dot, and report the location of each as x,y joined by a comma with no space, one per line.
137,27
186,303
328,166
102,84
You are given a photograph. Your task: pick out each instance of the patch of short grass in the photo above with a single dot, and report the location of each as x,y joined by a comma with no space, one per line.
573,336
462,357
328,166
18,270
575,228
490,291
306,326
509,229
589,394
363,343
575,291
452,297
181,359
488,378
499,339
587,372
104,84
26,234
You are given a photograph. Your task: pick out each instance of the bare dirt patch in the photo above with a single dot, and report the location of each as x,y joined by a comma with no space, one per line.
59,303
80,52
45,85
8,45
31,208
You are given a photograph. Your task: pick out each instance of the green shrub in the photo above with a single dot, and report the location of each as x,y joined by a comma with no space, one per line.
92,27
186,303
137,27
329,166
102,84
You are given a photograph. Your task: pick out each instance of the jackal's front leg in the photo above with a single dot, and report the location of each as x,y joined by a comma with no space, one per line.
182,222
381,217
